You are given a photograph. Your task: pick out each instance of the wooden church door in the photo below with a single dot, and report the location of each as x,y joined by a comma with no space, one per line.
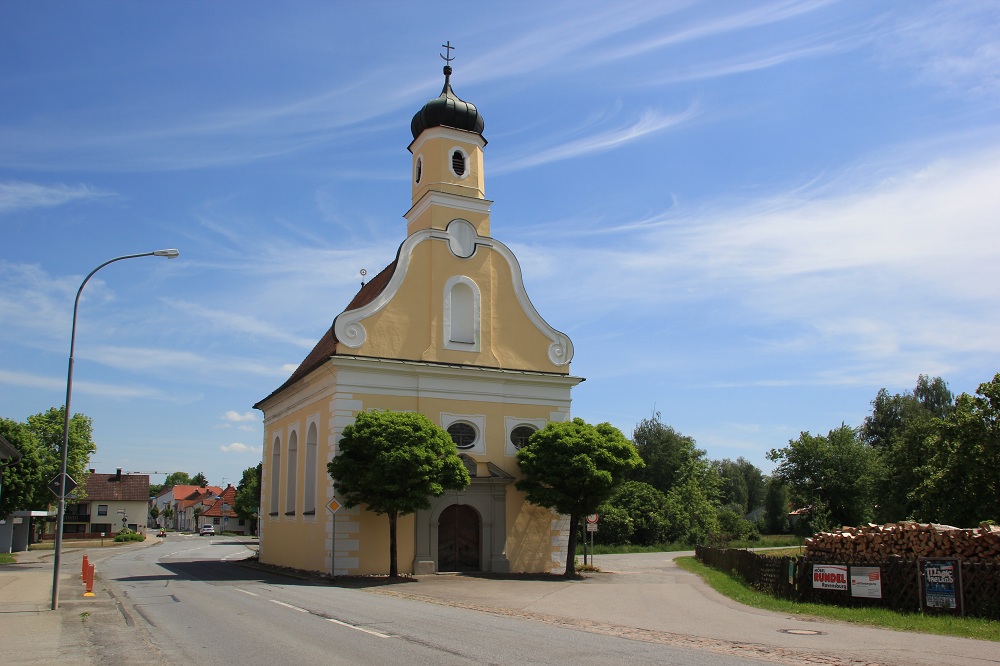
458,539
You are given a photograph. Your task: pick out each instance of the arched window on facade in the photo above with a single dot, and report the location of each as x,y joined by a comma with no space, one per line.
309,483
275,475
291,485
461,315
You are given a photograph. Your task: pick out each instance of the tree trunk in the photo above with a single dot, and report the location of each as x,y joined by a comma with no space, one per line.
574,523
393,568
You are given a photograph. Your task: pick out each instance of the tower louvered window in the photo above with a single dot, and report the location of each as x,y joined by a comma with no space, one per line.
458,163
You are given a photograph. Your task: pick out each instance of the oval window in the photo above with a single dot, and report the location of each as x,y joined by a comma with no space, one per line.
519,435
463,434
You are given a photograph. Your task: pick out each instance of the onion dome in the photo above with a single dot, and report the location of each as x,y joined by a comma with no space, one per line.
447,110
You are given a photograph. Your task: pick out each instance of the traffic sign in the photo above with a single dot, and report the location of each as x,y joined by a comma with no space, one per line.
333,505
69,484
592,519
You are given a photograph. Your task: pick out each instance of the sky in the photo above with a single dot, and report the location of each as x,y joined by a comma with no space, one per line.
749,217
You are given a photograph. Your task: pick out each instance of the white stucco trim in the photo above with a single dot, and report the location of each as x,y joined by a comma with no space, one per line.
351,332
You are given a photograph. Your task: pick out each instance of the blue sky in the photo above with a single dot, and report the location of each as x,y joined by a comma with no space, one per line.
749,217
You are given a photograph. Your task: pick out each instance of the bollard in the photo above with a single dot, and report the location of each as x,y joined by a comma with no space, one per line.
90,581
86,563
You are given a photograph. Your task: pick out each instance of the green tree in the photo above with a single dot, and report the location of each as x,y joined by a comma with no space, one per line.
39,440
615,527
691,513
742,483
835,471
177,479
248,495
961,483
670,458
393,463
902,429
643,506
154,513
23,484
572,467
776,507
199,479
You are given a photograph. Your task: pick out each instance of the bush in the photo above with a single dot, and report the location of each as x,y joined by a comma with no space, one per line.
615,526
128,535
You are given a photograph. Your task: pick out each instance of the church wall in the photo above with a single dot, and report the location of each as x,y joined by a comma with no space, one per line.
494,402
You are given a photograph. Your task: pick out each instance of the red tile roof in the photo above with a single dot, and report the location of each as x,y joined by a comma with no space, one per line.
228,497
117,487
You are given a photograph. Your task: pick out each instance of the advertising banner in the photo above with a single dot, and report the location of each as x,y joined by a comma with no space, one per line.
830,576
941,584
866,582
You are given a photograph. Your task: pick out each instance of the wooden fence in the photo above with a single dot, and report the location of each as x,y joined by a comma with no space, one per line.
899,580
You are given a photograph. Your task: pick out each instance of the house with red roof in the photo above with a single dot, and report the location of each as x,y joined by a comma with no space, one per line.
110,503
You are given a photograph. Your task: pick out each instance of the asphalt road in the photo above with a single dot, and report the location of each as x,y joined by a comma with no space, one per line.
189,601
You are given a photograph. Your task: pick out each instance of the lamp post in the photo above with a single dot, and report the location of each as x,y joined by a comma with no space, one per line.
61,483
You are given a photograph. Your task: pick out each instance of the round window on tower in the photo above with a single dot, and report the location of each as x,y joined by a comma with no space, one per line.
463,434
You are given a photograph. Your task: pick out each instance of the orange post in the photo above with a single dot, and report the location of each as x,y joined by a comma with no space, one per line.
90,581
86,563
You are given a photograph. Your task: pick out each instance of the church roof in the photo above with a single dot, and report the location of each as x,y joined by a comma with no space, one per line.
327,345
447,110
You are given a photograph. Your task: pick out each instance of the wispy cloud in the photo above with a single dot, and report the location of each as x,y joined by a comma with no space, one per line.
18,195
880,271
951,45
649,123
713,27
236,417
745,63
234,323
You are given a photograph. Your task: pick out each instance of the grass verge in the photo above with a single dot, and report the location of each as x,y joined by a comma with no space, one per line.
944,625
7,558
766,541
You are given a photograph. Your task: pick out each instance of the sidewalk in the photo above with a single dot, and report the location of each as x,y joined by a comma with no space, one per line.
32,633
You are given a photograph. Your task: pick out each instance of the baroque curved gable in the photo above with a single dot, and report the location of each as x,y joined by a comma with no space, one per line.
463,242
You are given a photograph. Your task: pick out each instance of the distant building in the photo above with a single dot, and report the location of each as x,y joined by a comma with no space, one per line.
446,330
181,500
218,511
111,502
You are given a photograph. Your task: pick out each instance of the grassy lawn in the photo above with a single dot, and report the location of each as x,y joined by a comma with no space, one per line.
7,558
945,625
793,543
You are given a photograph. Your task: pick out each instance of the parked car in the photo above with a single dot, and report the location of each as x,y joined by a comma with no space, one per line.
207,530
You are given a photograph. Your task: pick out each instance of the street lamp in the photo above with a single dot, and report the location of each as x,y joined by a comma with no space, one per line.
61,479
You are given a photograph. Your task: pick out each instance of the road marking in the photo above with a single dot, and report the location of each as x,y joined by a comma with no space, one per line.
372,632
357,628
282,603
252,594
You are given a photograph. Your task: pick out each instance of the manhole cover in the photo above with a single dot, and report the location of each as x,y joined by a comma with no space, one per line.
802,632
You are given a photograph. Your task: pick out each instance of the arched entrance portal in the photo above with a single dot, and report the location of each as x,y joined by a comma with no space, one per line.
458,539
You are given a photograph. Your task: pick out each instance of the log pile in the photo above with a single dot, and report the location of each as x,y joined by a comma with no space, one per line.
908,540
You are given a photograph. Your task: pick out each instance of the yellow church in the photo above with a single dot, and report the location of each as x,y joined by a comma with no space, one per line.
446,330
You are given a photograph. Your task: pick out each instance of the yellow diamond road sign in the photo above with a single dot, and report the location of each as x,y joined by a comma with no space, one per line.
333,505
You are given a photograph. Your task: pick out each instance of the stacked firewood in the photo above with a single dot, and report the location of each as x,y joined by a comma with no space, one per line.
907,540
